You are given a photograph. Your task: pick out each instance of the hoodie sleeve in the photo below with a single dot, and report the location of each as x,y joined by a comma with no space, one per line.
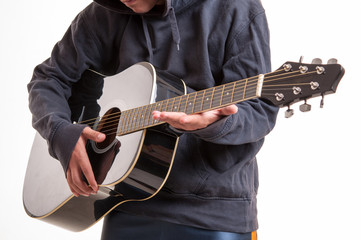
247,55
51,87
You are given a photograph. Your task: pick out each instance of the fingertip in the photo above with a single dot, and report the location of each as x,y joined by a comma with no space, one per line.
75,193
156,115
95,188
234,109
229,110
100,137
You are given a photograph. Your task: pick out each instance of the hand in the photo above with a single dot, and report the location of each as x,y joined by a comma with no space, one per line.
79,164
196,121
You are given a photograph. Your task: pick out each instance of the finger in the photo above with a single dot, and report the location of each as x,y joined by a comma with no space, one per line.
76,185
87,170
71,185
184,121
79,164
175,119
156,115
229,110
93,135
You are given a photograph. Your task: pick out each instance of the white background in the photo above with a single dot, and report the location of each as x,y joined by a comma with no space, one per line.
309,166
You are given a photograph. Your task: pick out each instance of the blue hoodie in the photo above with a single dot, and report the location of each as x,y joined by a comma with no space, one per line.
214,180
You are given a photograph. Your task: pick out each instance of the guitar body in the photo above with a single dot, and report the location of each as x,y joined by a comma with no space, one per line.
131,167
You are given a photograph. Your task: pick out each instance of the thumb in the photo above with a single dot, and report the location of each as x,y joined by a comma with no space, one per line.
93,135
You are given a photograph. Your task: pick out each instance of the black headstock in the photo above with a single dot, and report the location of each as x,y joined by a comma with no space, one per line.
294,82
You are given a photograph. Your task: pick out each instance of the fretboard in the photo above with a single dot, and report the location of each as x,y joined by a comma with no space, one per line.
136,119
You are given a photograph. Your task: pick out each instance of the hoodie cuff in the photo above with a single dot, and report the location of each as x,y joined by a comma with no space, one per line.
63,142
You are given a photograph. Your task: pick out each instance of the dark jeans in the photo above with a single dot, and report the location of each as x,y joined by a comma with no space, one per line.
120,226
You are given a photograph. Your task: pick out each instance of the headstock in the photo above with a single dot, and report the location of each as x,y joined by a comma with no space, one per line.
294,82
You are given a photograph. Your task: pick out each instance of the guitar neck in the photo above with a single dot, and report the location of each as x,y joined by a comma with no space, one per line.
136,119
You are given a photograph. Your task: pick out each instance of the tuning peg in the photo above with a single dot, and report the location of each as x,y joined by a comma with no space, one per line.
305,107
317,61
322,101
301,59
289,112
332,61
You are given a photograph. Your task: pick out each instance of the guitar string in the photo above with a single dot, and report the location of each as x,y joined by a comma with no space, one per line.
95,120
142,123
90,121
137,123
135,126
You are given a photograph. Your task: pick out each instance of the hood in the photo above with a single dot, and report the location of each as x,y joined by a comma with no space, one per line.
118,6
170,9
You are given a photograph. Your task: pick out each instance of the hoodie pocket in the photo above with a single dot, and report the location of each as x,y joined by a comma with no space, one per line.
189,172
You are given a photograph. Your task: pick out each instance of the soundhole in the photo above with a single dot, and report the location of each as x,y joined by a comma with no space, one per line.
109,126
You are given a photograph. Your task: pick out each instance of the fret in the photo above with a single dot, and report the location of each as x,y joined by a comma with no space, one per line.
245,88
124,123
139,117
251,91
198,101
169,107
238,91
142,117
217,97
158,106
136,119
227,94
176,104
153,107
124,117
164,104
190,103
148,115
183,103
121,125
128,120
132,118
207,99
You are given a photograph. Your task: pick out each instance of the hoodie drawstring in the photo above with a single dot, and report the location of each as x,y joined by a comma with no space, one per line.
147,38
174,29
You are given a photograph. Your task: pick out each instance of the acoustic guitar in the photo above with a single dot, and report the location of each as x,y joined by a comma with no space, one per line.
135,160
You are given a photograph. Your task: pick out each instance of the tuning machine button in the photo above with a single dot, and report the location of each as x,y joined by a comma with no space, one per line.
317,61
322,103
305,107
301,59
332,61
289,112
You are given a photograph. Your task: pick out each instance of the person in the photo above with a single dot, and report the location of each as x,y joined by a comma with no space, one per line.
211,191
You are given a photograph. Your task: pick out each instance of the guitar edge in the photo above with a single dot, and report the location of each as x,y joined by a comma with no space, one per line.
143,181
141,161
